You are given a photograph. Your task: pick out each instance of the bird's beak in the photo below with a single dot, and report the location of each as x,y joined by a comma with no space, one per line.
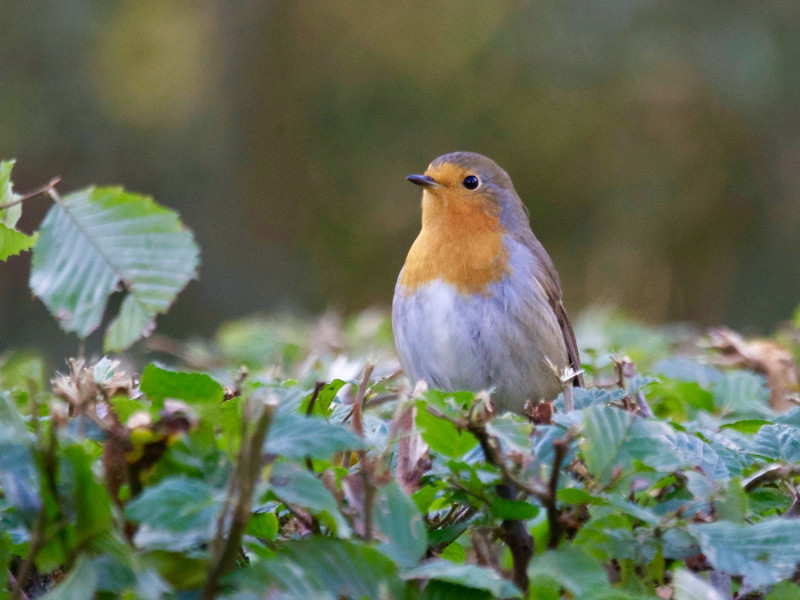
424,181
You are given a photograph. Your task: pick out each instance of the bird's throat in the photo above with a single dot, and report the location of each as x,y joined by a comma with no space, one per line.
461,243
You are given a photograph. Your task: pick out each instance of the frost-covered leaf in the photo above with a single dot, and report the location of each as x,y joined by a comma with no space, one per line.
98,239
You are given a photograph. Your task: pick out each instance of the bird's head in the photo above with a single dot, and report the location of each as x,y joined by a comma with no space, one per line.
467,182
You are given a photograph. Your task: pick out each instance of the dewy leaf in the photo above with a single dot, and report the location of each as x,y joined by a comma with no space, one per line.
97,239
764,553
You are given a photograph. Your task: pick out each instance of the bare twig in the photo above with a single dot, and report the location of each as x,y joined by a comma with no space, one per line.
45,189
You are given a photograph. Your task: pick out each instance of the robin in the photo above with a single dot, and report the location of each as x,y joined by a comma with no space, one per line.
478,302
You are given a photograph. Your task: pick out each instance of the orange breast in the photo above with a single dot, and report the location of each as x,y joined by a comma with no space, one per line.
461,243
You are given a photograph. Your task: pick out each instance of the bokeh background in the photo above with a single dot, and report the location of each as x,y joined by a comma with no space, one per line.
657,144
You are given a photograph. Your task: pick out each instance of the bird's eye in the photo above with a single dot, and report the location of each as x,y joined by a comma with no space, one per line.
471,182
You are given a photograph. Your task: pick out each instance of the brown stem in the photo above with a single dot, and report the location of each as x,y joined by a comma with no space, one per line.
40,190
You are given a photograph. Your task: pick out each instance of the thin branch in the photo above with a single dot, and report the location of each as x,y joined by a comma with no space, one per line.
45,189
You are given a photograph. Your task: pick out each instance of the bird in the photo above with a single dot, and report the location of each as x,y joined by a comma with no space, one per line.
478,302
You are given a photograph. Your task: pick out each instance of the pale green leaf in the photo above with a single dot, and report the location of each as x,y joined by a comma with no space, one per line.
763,553
98,239
689,586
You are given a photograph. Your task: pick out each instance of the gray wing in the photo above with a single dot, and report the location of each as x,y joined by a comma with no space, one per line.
552,286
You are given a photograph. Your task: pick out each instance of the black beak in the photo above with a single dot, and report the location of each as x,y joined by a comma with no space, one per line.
423,181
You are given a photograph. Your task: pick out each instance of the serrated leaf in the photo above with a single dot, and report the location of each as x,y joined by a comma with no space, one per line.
13,242
763,553
194,388
296,436
469,576
97,239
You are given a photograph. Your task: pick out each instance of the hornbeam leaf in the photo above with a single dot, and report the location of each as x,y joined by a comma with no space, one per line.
95,240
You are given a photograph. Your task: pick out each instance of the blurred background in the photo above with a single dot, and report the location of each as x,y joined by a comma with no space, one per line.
656,144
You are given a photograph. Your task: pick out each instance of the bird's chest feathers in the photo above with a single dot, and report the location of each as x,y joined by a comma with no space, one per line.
460,244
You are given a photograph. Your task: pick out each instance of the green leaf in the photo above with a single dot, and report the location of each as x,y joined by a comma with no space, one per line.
747,426
404,534
8,216
91,501
785,590
514,510
323,568
470,576
193,388
743,393
763,554
779,442
175,514
586,397
81,582
572,568
689,586
263,525
296,436
13,242
296,486
604,429
97,239
442,436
